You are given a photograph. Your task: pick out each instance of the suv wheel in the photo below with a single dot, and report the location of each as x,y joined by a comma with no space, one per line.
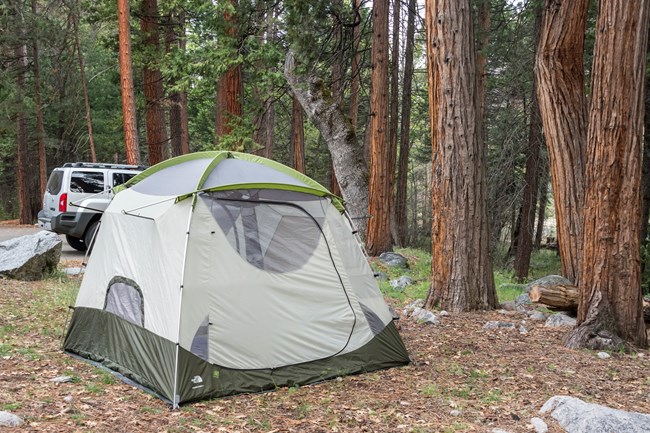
90,234
76,243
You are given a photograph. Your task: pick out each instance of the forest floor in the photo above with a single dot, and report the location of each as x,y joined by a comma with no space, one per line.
462,378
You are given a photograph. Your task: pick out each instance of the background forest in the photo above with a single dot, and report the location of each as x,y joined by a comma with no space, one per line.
60,96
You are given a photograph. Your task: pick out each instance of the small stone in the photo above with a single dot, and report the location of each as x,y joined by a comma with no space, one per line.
493,324
61,379
381,276
537,315
8,419
603,355
401,283
72,271
454,412
408,310
70,399
560,321
539,425
443,313
424,316
507,312
640,355
508,305
522,299
498,430
523,330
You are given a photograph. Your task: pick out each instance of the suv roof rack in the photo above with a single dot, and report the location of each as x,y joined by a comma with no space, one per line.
102,165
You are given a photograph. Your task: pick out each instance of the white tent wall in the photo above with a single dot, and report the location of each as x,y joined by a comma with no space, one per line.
149,252
357,269
266,319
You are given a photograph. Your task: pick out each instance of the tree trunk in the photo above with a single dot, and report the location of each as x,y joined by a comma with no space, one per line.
541,212
354,68
229,110
22,167
610,302
645,182
153,84
405,130
526,229
84,87
297,144
558,296
481,61
380,191
131,144
561,92
340,136
40,130
338,78
393,126
462,276
178,115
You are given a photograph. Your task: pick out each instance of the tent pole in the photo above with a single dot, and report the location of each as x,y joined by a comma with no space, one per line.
175,401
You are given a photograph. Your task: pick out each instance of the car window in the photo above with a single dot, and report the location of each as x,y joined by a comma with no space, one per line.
54,182
120,178
90,182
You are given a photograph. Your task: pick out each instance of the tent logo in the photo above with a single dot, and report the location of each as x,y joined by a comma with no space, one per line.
196,380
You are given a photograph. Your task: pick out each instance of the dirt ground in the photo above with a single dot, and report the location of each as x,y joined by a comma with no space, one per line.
463,378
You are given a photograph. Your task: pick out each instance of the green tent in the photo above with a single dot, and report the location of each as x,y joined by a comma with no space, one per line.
217,273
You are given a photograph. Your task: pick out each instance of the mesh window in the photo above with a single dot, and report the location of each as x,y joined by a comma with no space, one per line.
124,299
272,236
200,341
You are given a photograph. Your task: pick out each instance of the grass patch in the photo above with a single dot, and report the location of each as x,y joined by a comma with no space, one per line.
543,262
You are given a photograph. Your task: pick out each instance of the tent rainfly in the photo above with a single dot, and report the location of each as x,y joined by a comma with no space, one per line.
216,273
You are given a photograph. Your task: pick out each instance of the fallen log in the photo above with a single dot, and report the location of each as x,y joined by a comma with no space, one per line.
563,296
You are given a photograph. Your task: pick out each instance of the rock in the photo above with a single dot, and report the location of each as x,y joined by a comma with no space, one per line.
393,259
508,305
508,312
72,271
30,257
381,276
498,325
522,299
523,330
68,399
498,430
549,280
408,310
424,316
401,283
454,412
576,416
8,419
61,379
560,320
603,355
539,425
537,315
443,313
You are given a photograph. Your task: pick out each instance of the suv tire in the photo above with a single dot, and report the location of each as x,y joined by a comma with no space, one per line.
89,236
76,243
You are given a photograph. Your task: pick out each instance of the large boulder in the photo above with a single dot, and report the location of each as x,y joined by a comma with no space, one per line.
549,281
30,257
393,259
576,416
8,419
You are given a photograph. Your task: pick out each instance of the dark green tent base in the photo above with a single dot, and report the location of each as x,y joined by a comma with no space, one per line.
148,359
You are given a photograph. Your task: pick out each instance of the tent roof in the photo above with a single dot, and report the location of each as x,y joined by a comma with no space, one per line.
221,170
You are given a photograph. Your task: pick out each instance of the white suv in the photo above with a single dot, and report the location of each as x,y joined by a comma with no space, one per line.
76,196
